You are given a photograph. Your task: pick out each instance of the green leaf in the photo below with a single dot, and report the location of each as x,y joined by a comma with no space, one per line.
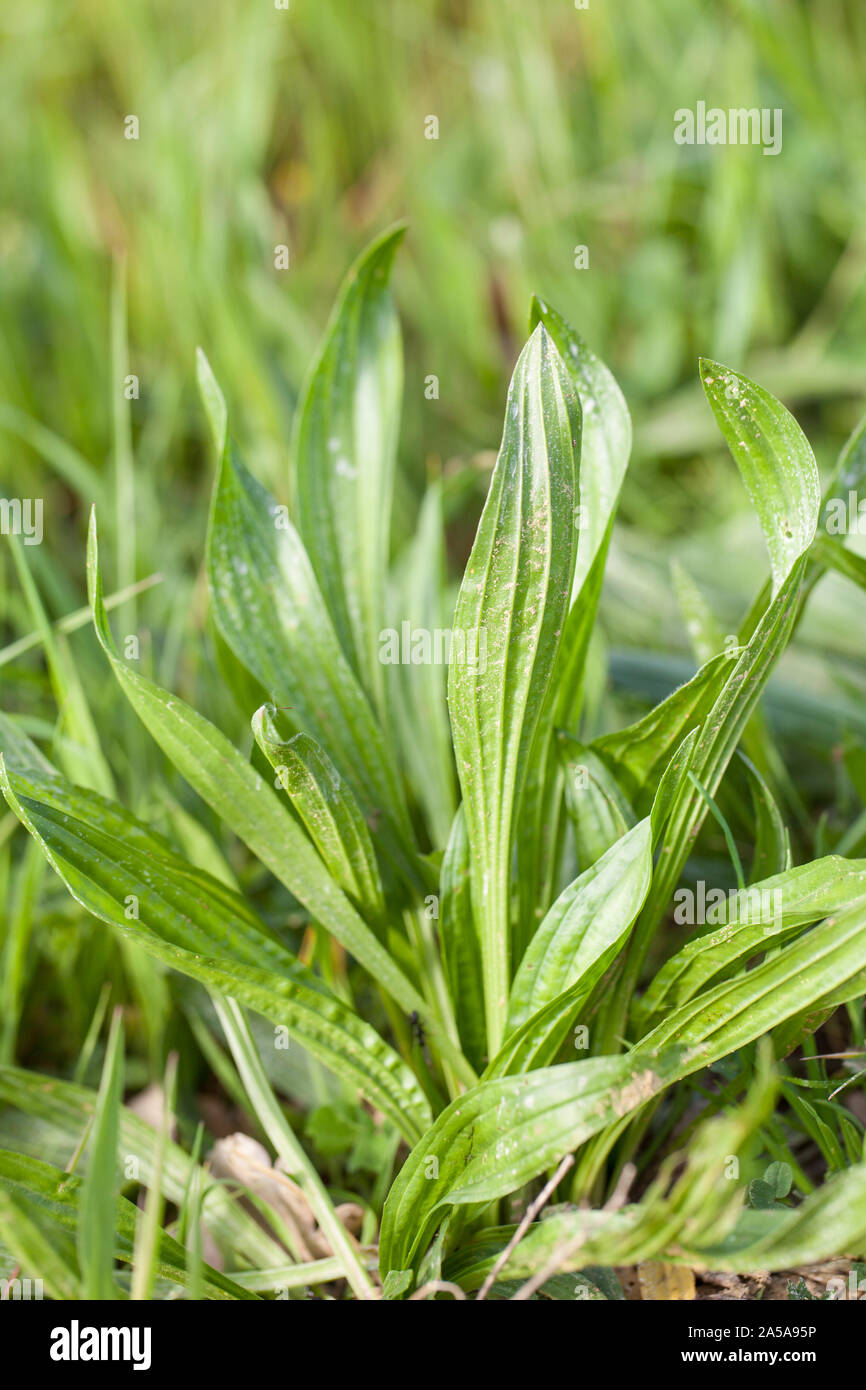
396,1283
329,811
723,1018
604,453
778,468
600,813
637,755
417,692
772,845
116,868
345,446
267,605
752,922
461,951
605,443
779,1176
96,1228
514,597
591,918
53,1199
41,1251
66,1107
574,945
688,1202
504,1132
775,461
761,1195
713,750
235,791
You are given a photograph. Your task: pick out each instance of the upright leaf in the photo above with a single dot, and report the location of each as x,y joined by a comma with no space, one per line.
230,785
95,1231
780,473
583,930
461,951
417,694
604,453
513,600
329,811
345,447
268,607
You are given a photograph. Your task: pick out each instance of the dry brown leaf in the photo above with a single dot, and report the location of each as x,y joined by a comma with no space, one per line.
661,1282
243,1159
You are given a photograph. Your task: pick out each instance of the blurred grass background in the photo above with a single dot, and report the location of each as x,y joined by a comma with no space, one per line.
260,127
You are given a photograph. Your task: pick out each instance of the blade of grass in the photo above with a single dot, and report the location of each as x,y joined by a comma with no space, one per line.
266,1107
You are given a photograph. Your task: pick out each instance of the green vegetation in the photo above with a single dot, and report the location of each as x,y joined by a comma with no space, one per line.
485,838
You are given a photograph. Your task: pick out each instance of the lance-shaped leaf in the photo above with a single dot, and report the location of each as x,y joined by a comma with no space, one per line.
605,443
779,470
502,1133
52,1200
513,599
829,959
194,923
577,941
345,447
752,920
699,1207
461,952
268,607
231,786
775,461
638,754
772,843
582,935
829,1220
604,453
585,922
417,693
329,811
596,805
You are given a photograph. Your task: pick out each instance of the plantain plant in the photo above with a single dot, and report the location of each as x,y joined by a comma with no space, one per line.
505,993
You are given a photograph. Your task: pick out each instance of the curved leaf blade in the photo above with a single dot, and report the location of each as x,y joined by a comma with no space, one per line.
504,1132
329,811
775,461
197,925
